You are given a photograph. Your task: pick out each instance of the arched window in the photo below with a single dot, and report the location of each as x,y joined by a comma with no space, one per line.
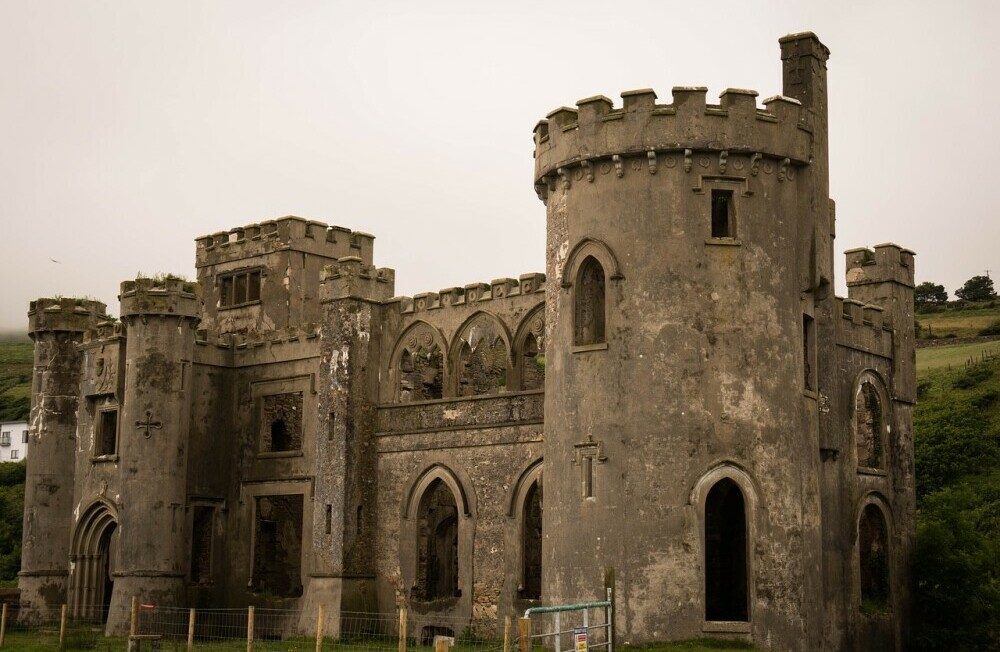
420,375
873,559
531,545
869,425
532,363
726,593
437,544
588,297
482,367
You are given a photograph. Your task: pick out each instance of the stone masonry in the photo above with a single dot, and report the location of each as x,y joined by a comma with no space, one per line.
679,409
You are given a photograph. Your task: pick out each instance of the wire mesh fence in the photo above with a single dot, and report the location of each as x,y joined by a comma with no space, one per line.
256,629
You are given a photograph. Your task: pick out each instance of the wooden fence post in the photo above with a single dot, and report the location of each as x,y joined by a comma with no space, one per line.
441,645
402,629
62,627
506,634
3,624
319,629
190,630
133,626
524,635
249,629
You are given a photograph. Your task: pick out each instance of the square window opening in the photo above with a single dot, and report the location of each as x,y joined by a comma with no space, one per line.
107,433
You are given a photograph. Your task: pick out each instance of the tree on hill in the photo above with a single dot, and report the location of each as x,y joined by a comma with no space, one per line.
977,288
929,294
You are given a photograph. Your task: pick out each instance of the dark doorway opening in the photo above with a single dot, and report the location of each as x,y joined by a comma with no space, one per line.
726,553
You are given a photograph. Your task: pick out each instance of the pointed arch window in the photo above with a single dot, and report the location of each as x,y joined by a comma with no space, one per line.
589,304
531,545
873,559
726,577
869,421
437,544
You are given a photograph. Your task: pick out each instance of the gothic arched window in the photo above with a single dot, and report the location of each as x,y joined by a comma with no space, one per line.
588,298
726,589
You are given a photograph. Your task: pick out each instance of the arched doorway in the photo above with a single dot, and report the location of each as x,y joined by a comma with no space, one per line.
93,557
726,594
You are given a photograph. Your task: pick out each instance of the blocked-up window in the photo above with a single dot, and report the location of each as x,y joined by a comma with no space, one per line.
281,422
588,297
239,288
277,553
437,544
420,375
869,426
201,544
873,551
726,585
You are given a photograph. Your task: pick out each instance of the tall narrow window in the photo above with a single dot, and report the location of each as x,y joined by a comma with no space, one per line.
589,299
868,426
726,553
808,357
873,550
107,433
722,214
201,544
531,545
437,544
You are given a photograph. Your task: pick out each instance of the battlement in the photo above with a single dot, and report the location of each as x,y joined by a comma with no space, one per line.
498,289
286,233
64,314
864,326
597,131
160,296
104,332
887,263
350,277
255,339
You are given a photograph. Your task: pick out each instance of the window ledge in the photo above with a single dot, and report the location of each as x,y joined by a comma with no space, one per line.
810,393
100,459
724,242
581,348
279,454
867,470
725,627
245,304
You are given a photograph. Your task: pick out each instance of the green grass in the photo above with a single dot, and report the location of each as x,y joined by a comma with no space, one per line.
16,359
954,356
966,321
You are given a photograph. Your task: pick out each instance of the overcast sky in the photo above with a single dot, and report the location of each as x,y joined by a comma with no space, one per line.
129,128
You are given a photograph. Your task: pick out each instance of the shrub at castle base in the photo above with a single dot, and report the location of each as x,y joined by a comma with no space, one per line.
680,397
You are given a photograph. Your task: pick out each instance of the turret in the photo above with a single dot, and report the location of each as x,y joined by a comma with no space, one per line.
687,249
57,327
884,277
160,318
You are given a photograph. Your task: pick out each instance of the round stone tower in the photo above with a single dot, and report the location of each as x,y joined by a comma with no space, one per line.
160,318
689,249
57,327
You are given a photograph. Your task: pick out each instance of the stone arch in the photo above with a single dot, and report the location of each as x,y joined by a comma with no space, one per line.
596,249
727,502
438,527
524,505
873,560
481,353
528,371
422,350
870,420
93,547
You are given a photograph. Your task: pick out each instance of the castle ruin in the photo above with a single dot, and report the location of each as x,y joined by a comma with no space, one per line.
679,407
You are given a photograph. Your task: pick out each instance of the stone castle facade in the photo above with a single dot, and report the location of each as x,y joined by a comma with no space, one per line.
717,436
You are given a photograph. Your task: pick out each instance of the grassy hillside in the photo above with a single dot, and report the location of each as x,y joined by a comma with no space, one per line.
957,556
957,319
15,380
955,356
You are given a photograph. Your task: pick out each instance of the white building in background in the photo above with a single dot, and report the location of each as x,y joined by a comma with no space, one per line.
13,441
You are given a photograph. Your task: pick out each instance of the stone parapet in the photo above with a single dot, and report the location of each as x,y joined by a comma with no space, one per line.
497,289
65,314
167,297
286,233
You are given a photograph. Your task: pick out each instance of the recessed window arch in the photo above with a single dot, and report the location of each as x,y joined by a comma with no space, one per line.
870,423
726,576
589,303
873,558
437,544
417,368
482,356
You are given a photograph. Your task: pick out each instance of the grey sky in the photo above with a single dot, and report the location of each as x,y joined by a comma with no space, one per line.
128,128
